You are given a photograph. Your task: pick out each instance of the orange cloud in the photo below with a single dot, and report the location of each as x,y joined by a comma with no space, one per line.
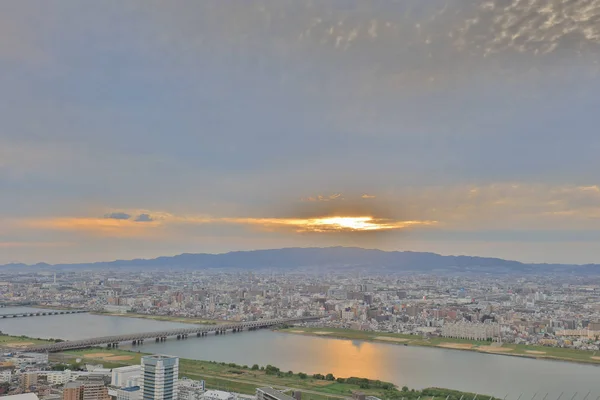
33,244
336,196
99,226
331,224
110,227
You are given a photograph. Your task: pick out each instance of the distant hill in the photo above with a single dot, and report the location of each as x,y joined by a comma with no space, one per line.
334,258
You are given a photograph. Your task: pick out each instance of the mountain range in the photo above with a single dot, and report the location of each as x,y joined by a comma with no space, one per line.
334,258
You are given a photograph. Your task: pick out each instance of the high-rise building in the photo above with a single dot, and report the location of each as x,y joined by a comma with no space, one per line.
160,374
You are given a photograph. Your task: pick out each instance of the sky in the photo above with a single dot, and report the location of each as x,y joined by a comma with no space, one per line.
148,128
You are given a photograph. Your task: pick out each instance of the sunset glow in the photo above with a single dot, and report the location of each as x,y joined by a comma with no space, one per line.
355,224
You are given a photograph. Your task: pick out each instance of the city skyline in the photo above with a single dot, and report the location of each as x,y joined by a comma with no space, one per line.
152,129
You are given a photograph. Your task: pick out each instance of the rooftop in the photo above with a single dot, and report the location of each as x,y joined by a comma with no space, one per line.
217,394
24,396
276,393
131,389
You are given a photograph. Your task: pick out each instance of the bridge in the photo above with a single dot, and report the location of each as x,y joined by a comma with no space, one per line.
161,336
42,313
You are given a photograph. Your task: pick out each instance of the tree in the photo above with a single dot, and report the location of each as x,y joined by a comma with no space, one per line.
341,380
330,377
405,388
255,367
302,375
271,370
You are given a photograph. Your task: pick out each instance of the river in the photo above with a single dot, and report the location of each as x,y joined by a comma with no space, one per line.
415,367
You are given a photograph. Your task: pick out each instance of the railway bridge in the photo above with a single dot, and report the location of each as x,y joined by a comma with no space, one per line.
159,336
42,313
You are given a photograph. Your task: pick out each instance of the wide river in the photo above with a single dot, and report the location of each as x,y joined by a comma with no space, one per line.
415,367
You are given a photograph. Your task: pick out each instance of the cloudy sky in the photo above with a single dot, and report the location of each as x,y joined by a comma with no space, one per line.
147,128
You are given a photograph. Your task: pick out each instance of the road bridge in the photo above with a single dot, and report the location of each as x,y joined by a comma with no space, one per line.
159,336
42,313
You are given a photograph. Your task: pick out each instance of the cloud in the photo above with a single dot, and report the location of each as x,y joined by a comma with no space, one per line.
368,196
329,224
99,227
144,218
336,196
34,244
117,215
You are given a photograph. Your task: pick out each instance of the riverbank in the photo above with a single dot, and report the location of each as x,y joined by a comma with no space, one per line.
506,349
245,379
164,318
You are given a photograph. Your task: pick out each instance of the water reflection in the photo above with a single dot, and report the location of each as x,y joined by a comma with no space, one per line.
416,367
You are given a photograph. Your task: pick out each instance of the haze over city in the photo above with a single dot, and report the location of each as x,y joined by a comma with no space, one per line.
149,128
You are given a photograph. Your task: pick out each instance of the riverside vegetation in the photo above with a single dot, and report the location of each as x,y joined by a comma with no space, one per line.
509,349
245,379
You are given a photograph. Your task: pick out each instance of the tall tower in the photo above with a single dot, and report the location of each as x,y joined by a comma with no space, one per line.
160,374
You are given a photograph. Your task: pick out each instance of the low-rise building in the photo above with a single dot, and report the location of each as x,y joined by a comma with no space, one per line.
471,331
129,393
217,395
268,393
189,389
124,376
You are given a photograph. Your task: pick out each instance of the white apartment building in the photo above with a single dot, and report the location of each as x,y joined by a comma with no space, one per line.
59,377
189,389
5,375
471,331
218,395
126,376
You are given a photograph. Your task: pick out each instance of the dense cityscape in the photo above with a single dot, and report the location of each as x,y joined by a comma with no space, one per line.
551,311
559,312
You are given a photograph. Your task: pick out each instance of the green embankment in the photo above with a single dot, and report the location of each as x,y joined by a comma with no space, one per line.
18,341
166,318
555,353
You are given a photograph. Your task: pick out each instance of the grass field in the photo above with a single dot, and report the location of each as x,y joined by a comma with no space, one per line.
16,342
241,379
556,353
